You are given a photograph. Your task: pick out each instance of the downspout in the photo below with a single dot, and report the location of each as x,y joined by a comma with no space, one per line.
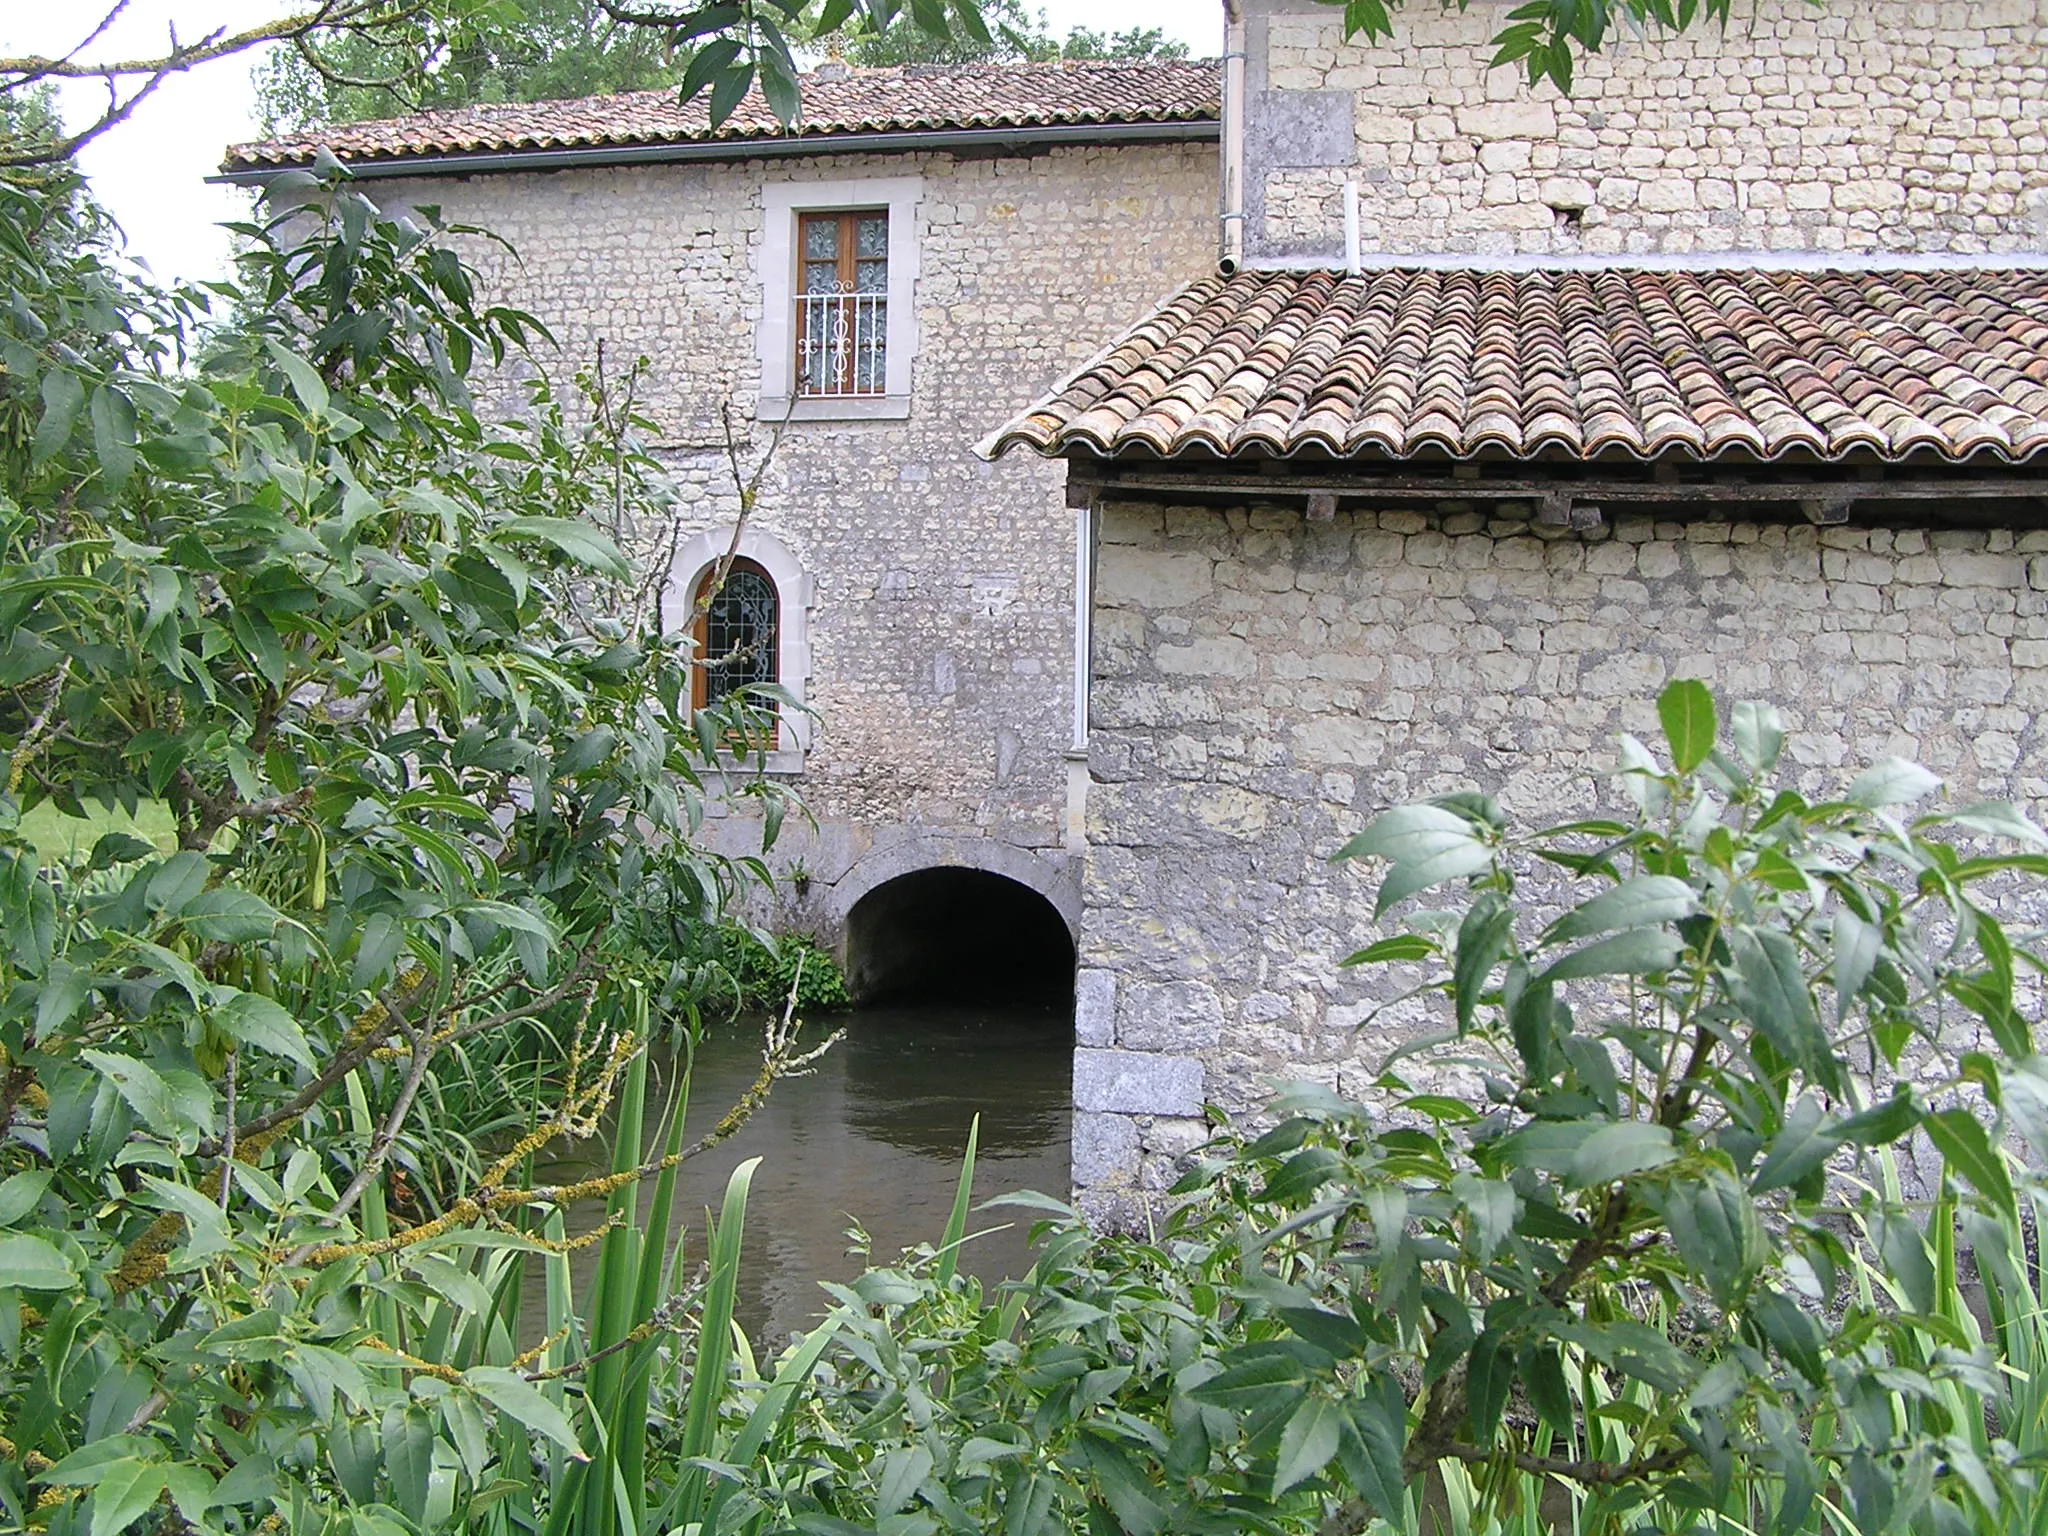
1232,254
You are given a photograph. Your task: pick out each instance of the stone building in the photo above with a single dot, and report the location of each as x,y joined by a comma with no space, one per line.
883,284
1504,410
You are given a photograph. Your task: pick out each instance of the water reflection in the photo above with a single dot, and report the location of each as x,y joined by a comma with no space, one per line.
874,1135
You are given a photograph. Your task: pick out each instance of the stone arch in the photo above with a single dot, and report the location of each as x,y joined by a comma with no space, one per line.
965,918
793,587
1055,876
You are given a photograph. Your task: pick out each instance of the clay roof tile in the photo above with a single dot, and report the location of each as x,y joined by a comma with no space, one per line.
1689,362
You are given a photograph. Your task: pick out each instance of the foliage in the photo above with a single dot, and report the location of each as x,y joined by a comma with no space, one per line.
1070,1400
1663,1277
1663,1251
1014,33
545,50
434,50
343,628
1543,38
768,969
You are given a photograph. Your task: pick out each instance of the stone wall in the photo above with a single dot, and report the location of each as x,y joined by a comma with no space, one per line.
942,632
1858,126
1266,684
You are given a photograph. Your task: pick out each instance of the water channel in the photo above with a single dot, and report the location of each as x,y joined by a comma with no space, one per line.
873,1135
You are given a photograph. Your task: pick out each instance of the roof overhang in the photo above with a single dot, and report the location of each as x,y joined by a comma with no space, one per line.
594,156
1584,495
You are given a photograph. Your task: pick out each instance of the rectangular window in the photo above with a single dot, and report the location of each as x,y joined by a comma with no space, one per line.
842,303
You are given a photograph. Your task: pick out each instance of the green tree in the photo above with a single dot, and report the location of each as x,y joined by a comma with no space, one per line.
545,50
719,47
432,768
1014,34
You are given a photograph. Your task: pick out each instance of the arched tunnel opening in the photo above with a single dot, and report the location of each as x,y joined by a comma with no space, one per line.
958,935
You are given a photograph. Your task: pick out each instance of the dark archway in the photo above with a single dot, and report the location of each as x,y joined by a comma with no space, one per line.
959,935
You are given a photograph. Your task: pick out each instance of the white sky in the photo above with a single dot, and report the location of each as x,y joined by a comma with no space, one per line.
150,171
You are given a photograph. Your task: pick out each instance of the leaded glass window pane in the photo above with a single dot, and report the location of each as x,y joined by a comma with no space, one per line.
740,635
874,239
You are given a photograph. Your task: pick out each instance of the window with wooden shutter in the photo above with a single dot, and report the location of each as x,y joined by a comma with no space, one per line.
842,302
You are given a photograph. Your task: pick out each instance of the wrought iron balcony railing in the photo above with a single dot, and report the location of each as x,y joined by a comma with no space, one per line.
842,343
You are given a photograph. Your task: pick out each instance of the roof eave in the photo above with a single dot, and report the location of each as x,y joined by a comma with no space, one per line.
489,162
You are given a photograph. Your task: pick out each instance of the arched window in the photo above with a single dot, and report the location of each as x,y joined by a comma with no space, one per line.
739,635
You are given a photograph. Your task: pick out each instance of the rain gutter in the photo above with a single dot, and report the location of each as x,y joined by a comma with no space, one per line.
484,163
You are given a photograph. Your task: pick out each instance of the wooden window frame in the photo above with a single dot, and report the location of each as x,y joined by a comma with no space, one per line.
848,221
700,633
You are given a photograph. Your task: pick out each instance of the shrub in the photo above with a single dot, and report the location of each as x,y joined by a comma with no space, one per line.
1663,1278
766,969
1662,1265
309,602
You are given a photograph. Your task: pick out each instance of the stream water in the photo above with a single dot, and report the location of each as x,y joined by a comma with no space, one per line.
874,1136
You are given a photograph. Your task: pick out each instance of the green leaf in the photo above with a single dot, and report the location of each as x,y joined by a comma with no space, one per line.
579,541
1803,1144
1402,946
1410,833
1856,948
1410,878
1244,1388
166,1107
63,399
1997,818
1616,1151
32,1263
1881,1124
1962,1141
20,1194
1373,1440
513,1394
113,435
1295,1181
1769,985
1308,1443
1686,710
1543,1380
229,916
1758,734
1903,1247
124,1493
1489,1375
1493,1205
1643,902
1549,1146
1796,1335
1482,940
1715,1228
1636,952
304,379
263,1023
1891,781
1124,1486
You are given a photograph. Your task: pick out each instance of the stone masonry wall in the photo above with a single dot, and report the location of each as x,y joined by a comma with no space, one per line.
1856,126
942,629
1266,684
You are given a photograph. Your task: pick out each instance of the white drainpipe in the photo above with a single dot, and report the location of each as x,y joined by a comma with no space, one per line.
1232,256
1352,262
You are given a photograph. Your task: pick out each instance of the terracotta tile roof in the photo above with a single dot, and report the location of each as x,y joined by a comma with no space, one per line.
1570,364
894,100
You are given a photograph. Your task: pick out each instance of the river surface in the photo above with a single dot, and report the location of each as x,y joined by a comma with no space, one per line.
873,1136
